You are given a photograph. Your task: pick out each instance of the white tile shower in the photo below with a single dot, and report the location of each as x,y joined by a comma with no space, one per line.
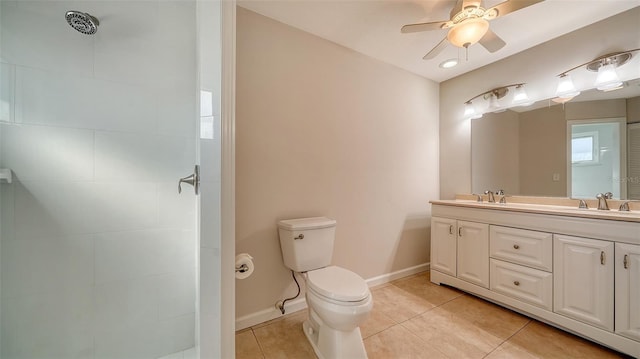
98,251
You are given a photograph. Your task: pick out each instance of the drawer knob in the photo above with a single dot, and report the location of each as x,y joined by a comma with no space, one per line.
515,246
516,283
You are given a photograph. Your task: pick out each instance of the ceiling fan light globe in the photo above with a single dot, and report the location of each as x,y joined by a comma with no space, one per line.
468,32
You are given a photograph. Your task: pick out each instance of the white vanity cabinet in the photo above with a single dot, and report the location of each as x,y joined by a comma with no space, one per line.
576,272
627,293
583,280
444,233
521,264
461,249
473,252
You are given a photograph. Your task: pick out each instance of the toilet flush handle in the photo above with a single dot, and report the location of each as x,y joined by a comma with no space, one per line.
300,236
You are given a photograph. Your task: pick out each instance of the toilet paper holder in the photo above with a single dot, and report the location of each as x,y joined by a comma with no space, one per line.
242,268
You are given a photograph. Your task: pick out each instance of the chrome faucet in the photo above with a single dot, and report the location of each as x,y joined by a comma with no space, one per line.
491,199
602,200
624,207
503,199
478,197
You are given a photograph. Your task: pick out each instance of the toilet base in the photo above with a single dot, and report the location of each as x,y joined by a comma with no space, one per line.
329,343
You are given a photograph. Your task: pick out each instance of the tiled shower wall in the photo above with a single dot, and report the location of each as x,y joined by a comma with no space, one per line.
97,247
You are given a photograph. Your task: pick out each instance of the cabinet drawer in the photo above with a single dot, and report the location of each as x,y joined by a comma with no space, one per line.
523,283
529,248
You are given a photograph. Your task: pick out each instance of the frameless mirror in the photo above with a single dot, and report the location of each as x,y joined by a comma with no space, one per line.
587,146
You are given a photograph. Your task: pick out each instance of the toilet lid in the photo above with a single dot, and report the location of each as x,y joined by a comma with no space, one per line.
338,284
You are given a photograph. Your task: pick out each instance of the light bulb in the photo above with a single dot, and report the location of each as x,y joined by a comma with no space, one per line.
520,97
469,110
607,78
494,105
566,88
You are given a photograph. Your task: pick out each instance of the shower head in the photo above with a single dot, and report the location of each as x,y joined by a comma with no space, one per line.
82,22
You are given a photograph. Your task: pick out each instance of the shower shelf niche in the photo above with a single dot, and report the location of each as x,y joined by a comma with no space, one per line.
5,174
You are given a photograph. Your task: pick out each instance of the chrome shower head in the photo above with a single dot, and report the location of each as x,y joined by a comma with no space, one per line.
82,22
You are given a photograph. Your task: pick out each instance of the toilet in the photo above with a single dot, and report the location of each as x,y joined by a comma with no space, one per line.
338,299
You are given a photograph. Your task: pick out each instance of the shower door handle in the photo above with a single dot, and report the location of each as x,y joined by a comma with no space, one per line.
192,179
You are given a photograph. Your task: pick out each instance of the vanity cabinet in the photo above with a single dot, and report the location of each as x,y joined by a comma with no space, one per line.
627,293
521,264
473,252
461,249
579,273
444,232
583,280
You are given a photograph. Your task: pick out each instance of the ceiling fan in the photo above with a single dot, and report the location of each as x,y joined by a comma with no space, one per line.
469,24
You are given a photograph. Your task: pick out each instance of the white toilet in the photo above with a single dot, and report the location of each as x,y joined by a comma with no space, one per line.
338,299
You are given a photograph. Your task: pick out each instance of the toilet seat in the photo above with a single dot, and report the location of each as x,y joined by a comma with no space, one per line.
338,284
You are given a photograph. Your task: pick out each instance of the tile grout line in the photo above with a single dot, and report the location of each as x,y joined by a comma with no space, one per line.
462,294
257,342
511,336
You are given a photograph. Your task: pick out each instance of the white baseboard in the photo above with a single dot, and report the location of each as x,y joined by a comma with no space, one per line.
298,304
386,278
265,315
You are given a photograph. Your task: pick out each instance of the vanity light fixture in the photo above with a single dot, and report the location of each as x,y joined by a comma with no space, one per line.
520,97
606,80
566,88
493,96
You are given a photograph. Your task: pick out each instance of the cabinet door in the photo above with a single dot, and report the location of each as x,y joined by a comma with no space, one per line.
443,245
583,280
473,253
628,290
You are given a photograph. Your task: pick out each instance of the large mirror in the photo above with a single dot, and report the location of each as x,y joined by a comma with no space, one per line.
586,146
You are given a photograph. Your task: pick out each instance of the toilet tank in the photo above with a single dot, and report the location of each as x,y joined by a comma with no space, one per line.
307,243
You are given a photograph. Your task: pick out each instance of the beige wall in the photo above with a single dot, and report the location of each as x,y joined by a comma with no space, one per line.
633,110
537,67
543,152
596,109
325,131
499,159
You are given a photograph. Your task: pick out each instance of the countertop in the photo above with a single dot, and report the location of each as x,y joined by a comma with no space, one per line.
549,206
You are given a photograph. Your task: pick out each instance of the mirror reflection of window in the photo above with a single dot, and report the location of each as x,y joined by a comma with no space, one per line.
597,163
583,148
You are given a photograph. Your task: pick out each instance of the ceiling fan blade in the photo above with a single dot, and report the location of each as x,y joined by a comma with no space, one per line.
425,26
436,50
491,41
511,6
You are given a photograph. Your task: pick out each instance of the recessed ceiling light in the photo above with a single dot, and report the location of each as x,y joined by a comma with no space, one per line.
448,63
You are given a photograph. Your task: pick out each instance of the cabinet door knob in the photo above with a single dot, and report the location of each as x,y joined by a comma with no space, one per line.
516,283
450,229
602,257
460,232
515,246
625,261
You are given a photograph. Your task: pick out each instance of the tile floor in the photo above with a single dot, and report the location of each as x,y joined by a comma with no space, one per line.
414,318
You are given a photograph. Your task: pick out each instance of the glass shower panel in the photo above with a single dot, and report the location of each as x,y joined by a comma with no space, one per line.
97,248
